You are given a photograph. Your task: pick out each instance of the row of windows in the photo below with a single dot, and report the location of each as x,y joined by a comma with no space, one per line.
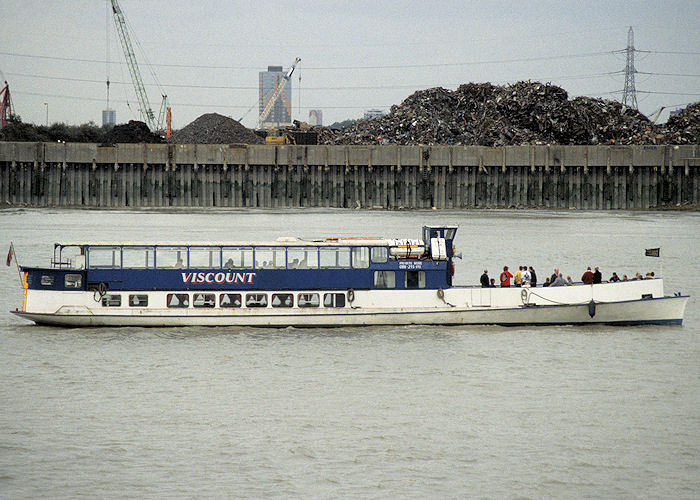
382,279
230,300
236,257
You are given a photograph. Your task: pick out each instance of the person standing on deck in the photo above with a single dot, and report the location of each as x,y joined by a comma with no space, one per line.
533,277
505,277
518,278
587,277
485,282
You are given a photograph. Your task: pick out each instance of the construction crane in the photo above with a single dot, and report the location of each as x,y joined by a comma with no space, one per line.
281,83
144,105
5,105
657,113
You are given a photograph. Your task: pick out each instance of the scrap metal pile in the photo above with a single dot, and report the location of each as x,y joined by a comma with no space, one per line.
495,115
213,128
684,128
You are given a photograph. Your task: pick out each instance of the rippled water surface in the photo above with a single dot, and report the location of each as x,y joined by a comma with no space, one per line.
364,412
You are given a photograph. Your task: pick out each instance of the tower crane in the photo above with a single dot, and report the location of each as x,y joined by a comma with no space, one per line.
144,105
5,105
277,92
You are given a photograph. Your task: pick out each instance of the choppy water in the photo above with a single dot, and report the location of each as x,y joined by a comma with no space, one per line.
367,412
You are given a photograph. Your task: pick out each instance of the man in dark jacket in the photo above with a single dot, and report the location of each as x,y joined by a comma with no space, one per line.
597,276
485,282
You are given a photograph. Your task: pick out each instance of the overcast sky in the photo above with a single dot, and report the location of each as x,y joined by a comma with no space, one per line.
355,55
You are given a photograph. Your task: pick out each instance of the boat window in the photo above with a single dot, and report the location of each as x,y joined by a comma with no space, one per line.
256,300
46,280
137,257
178,300
334,300
270,258
138,300
205,257
302,257
384,279
111,300
238,257
334,257
308,300
73,281
105,257
414,279
230,300
204,300
360,257
282,300
380,255
171,257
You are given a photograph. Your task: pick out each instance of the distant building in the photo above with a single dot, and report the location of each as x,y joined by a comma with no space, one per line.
316,117
373,113
281,114
109,118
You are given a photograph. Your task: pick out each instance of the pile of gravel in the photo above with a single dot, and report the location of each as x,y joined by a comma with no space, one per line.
213,128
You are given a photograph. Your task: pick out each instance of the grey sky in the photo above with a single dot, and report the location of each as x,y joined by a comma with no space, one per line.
355,55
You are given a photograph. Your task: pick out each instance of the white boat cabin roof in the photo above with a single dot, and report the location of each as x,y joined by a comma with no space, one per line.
282,241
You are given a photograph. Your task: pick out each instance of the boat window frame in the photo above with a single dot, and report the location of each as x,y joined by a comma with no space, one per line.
208,300
378,259
138,297
244,251
339,250
211,249
362,264
98,248
420,276
233,303
337,300
111,300
258,300
73,280
167,250
126,249
306,302
275,251
307,251
181,305
387,274
283,303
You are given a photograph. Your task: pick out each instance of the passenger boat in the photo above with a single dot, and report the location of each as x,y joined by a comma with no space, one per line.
309,283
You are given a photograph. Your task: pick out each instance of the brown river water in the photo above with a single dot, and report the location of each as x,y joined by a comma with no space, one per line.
379,412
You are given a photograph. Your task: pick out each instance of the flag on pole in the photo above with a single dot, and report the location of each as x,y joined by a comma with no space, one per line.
653,252
10,254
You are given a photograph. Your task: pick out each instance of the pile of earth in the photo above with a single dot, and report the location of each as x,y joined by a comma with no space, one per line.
134,131
213,128
500,115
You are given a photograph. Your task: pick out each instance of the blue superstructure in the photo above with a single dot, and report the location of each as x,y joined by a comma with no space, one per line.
286,264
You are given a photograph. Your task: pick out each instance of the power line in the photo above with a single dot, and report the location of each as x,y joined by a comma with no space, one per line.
329,68
346,87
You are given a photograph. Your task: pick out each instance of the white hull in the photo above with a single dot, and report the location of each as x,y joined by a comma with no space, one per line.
615,303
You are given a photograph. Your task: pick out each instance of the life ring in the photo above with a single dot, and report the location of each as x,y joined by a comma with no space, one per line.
351,295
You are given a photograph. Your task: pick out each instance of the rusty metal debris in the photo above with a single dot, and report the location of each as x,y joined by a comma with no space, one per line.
493,115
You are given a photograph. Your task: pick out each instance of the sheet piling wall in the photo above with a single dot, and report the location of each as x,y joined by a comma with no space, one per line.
391,177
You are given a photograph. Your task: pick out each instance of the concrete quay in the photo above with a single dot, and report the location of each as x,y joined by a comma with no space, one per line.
377,176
